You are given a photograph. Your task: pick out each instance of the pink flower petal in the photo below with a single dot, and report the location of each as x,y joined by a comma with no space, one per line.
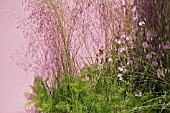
119,75
145,45
155,63
138,94
148,56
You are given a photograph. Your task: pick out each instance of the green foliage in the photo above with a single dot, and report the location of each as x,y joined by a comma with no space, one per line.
104,94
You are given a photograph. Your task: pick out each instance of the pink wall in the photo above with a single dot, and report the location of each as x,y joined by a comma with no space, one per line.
13,80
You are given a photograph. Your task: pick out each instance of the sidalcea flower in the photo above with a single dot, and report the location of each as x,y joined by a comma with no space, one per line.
125,70
124,36
134,46
166,46
149,56
120,76
145,45
138,94
153,53
135,18
120,68
149,35
128,38
138,39
155,63
110,59
119,42
122,49
133,53
130,62
141,23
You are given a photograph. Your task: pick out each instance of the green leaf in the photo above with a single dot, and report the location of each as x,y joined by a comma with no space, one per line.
29,103
40,109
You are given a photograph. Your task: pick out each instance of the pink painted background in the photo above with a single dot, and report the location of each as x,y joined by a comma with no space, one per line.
13,80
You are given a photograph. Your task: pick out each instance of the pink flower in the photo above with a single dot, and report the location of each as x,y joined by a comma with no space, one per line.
119,75
149,35
134,46
149,56
155,63
153,53
122,49
138,94
145,45
167,46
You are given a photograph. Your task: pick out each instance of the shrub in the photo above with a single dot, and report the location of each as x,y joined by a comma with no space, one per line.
99,56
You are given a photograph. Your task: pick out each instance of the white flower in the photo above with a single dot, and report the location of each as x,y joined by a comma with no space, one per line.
120,68
128,38
141,23
122,49
117,41
120,76
110,59
130,62
124,36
